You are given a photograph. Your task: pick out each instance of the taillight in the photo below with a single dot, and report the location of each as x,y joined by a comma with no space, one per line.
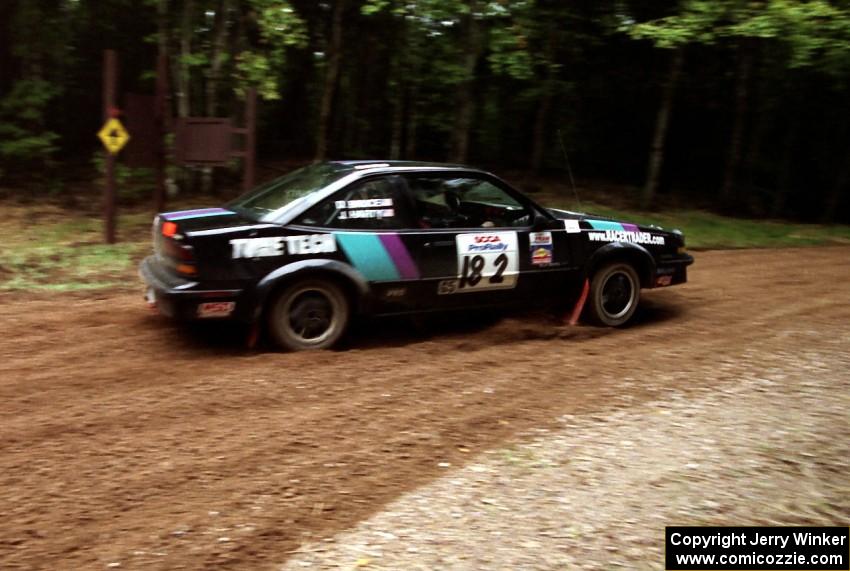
168,243
185,257
187,269
169,229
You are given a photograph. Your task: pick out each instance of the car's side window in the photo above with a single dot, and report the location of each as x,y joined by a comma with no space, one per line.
378,203
464,202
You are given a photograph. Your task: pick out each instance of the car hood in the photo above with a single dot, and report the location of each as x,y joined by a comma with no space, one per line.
596,222
621,230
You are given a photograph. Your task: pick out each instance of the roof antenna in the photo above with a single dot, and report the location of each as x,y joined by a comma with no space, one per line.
569,168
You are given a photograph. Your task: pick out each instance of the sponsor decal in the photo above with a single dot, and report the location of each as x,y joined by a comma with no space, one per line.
396,292
369,213
282,245
487,261
216,309
370,203
485,243
541,248
446,287
572,226
626,236
610,231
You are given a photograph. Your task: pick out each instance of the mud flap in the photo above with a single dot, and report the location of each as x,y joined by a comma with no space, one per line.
150,299
572,317
253,336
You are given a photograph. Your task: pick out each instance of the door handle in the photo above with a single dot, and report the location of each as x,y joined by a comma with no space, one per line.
439,244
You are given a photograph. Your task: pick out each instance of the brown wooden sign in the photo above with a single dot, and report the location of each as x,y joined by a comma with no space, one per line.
208,141
203,141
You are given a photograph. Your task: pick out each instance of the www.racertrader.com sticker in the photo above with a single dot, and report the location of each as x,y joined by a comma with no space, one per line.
625,236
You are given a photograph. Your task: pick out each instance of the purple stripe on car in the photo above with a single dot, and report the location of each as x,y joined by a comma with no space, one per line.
400,256
630,227
184,214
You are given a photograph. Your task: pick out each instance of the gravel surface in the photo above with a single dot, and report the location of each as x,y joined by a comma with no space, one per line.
129,442
769,448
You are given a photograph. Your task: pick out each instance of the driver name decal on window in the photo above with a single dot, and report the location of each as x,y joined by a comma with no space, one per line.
368,213
373,208
369,203
487,261
282,245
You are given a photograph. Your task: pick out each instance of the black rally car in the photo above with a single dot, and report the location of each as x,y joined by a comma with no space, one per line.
309,250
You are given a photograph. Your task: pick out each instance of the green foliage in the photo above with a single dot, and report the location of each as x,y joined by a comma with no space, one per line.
510,54
23,139
280,27
133,184
696,23
816,31
256,70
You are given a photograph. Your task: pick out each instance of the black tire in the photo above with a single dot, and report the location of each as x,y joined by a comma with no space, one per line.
309,314
614,294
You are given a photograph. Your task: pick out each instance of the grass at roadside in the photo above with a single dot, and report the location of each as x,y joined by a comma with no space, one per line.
46,248
704,230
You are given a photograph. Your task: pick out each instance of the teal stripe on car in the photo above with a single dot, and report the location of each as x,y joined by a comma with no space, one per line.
605,225
368,255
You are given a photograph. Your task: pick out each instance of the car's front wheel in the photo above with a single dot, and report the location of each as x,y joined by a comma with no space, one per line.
614,294
309,314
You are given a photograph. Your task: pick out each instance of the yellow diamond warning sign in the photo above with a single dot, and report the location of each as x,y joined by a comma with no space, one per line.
114,136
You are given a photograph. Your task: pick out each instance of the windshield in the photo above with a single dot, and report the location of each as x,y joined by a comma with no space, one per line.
286,190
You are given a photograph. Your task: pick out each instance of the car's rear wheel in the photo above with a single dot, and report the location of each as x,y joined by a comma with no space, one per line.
310,314
614,294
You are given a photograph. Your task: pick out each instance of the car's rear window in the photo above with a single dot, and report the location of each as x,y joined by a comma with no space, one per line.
286,190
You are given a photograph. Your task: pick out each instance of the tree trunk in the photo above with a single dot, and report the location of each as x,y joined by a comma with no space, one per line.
217,59
786,171
539,144
163,110
216,62
834,199
184,75
398,124
465,93
412,123
398,88
736,145
184,82
539,138
662,121
331,77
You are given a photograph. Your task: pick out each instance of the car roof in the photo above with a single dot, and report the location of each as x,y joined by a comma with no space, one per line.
389,166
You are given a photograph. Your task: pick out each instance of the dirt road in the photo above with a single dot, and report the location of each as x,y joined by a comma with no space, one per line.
129,442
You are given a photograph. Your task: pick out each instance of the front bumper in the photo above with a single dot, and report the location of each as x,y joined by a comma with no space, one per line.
184,299
672,271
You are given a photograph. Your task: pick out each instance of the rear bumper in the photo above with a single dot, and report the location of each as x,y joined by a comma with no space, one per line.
188,300
672,271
